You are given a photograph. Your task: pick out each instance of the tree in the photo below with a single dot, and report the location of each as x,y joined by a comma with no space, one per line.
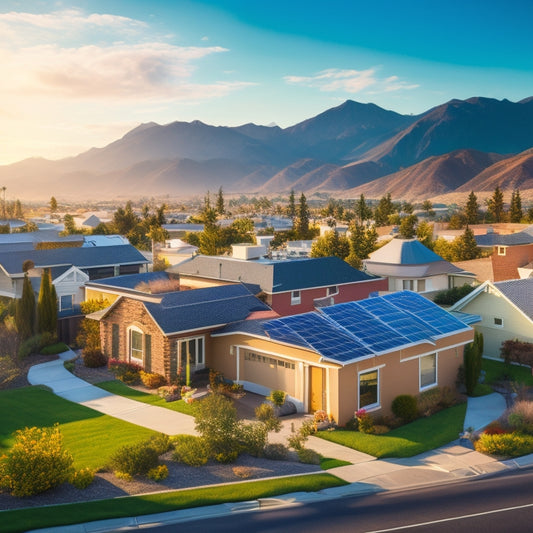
472,209
331,244
407,227
220,202
383,210
362,211
89,333
515,210
495,205
70,225
302,220
125,220
19,213
156,234
291,208
47,305
424,233
472,357
53,206
25,310
466,247
427,207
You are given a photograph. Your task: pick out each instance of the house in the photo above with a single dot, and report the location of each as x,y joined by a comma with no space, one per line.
340,358
409,265
290,286
175,251
506,311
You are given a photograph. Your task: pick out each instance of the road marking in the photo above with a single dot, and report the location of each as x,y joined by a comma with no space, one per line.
421,524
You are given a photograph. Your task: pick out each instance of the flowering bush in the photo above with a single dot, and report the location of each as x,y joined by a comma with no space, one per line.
152,380
36,462
494,428
506,444
170,393
158,473
187,393
365,422
81,479
129,373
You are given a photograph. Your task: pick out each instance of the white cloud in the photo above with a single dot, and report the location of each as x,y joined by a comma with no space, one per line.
350,81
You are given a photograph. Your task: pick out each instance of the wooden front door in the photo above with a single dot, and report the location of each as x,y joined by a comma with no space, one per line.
317,388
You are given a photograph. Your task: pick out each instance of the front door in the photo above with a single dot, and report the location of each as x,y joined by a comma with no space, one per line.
317,388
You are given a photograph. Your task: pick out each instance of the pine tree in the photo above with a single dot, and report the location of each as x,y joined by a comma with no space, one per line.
472,209
291,209
362,211
25,310
427,206
407,227
495,205
302,221
70,225
331,244
515,210
384,208
465,246
53,206
220,202
47,305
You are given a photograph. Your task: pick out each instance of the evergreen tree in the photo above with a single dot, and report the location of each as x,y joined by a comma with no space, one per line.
472,209
495,205
302,220
427,206
291,208
220,202
70,225
424,233
407,227
383,210
331,244
53,206
19,213
47,305
125,220
25,310
465,246
362,211
515,210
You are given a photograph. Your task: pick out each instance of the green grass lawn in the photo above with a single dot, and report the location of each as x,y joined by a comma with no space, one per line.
117,387
497,370
90,436
417,437
53,516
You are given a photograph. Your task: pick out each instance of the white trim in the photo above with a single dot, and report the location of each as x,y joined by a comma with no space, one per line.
436,382
130,358
180,361
307,288
502,250
296,300
435,351
372,406
498,326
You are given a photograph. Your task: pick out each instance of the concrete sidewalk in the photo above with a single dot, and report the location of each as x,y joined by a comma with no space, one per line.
65,384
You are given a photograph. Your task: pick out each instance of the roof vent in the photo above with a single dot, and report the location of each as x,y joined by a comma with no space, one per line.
490,229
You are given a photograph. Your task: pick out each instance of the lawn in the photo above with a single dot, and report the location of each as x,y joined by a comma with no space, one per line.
117,387
90,436
53,516
417,437
498,370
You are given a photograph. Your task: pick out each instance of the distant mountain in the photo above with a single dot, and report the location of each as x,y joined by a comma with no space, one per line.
462,144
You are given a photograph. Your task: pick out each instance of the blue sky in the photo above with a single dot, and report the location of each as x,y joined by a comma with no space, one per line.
82,75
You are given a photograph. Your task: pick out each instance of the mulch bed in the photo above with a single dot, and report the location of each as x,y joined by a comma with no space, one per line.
14,372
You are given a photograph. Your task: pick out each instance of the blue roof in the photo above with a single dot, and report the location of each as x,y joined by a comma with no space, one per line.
81,257
297,274
349,331
130,281
203,308
513,239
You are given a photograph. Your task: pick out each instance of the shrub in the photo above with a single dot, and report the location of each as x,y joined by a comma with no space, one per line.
161,443
30,346
506,444
453,295
515,351
365,423
429,402
307,456
244,472
265,413
169,393
81,479
298,440
405,407
519,417
158,473
36,462
380,429
69,365
152,380
253,438
226,456
54,349
276,451
135,460
352,424
494,428
277,397
94,359
124,371
190,450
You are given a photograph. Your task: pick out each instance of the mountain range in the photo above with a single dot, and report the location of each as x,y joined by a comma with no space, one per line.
348,150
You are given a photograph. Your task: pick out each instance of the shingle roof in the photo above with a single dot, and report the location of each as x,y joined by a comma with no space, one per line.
81,257
520,292
512,239
203,308
129,281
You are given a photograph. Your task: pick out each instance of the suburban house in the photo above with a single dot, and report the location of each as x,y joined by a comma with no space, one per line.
290,286
339,358
506,311
409,265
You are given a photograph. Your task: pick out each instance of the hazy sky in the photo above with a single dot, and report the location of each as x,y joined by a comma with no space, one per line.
77,75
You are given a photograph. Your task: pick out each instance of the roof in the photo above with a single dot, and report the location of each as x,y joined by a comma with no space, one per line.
128,281
513,239
98,256
204,308
519,292
351,331
482,268
274,276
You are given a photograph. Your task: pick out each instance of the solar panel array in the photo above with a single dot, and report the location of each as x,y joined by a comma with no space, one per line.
348,331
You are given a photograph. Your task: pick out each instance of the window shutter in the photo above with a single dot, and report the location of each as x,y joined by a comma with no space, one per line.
173,359
147,353
114,341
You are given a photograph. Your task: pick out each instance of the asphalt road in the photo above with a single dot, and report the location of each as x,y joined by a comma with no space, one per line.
502,503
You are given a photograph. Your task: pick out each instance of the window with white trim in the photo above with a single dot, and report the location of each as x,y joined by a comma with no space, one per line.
66,302
421,285
135,342
368,386
407,284
502,250
296,297
428,371
193,349
332,290
498,322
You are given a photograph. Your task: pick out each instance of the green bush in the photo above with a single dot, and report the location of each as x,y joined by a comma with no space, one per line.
277,397
158,473
519,417
81,479
36,463
253,438
505,444
69,365
276,451
94,359
365,423
135,460
405,407
352,424
307,456
265,413
453,295
161,443
30,346
54,349
190,450
152,380
129,373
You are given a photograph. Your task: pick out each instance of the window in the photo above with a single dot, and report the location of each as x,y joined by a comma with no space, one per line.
407,284
332,290
136,345
502,250
498,322
193,348
428,371
296,298
369,389
66,302
421,285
